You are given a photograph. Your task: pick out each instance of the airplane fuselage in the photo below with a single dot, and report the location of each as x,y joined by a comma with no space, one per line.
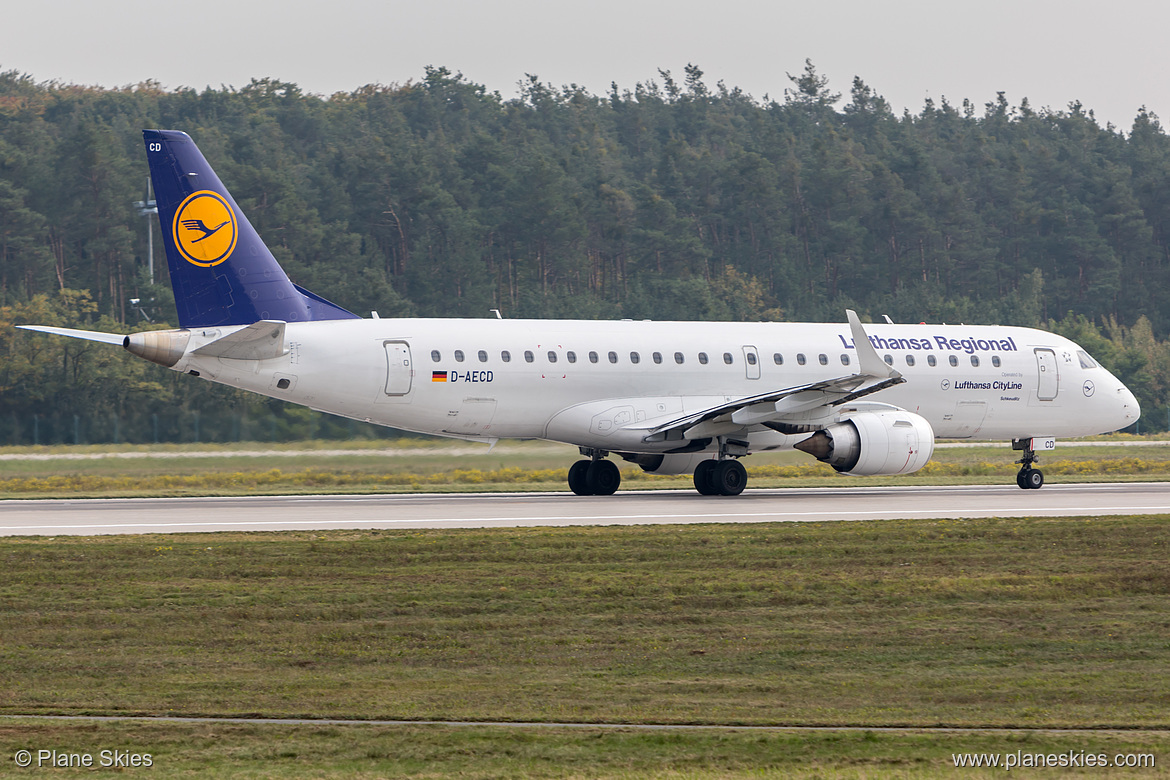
601,384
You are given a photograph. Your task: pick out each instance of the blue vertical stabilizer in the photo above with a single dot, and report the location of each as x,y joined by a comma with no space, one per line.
221,272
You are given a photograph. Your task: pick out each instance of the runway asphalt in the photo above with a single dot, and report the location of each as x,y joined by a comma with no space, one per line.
488,510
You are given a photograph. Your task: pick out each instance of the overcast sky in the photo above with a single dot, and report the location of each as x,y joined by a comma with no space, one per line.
1111,56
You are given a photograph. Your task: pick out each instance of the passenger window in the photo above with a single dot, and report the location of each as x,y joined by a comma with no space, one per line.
634,358
823,359
954,361
552,356
931,361
889,359
612,357
657,357
975,361
506,356
844,359
703,358
727,358
482,356
592,357
777,358
995,360
528,356
909,360
571,356
800,359
678,358
458,356
435,356
751,358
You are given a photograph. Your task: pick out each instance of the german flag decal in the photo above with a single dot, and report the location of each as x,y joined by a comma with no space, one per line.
438,376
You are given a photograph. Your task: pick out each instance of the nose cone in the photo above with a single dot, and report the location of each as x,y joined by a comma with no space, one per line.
1128,408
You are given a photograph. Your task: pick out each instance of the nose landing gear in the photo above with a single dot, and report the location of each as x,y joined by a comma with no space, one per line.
1029,478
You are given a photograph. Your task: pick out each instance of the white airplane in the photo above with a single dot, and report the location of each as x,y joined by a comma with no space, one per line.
672,397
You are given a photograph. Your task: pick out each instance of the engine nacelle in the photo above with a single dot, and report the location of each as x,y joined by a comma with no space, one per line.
670,463
872,443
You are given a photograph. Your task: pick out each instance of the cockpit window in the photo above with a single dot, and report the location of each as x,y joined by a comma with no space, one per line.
1086,361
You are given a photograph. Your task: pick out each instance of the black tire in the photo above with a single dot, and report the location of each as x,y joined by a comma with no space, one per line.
730,477
602,478
1020,479
578,481
1034,479
704,482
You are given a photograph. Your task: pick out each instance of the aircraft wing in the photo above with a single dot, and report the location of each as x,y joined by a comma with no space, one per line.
777,407
771,407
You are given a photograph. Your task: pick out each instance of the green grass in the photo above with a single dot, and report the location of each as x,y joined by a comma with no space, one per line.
260,750
413,465
1001,622
971,623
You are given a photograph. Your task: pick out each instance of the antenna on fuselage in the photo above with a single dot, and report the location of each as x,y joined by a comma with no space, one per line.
497,313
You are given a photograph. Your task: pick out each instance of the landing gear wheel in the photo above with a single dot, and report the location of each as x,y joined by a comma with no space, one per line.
1031,479
704,482
729,477
578,482
602,478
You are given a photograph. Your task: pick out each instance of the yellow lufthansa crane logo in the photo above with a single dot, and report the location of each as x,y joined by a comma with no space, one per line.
205,229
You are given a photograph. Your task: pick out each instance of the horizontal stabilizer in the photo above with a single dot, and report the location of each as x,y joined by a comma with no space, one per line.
88,335
261,340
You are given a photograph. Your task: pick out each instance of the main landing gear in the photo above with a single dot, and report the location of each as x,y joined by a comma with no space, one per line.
724,475
1029,478
719,476
594,477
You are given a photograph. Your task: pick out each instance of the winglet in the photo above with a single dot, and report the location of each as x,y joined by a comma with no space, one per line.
867,357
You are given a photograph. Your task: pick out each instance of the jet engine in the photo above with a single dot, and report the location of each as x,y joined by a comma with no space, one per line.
871,443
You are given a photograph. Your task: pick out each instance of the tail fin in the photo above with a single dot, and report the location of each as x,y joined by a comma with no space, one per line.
221,271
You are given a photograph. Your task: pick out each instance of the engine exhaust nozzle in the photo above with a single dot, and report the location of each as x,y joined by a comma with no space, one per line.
165,347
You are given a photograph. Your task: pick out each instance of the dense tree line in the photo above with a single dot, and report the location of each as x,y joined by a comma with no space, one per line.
675,200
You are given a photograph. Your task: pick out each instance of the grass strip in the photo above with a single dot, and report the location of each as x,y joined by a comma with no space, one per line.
216,479
999,622
327,751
